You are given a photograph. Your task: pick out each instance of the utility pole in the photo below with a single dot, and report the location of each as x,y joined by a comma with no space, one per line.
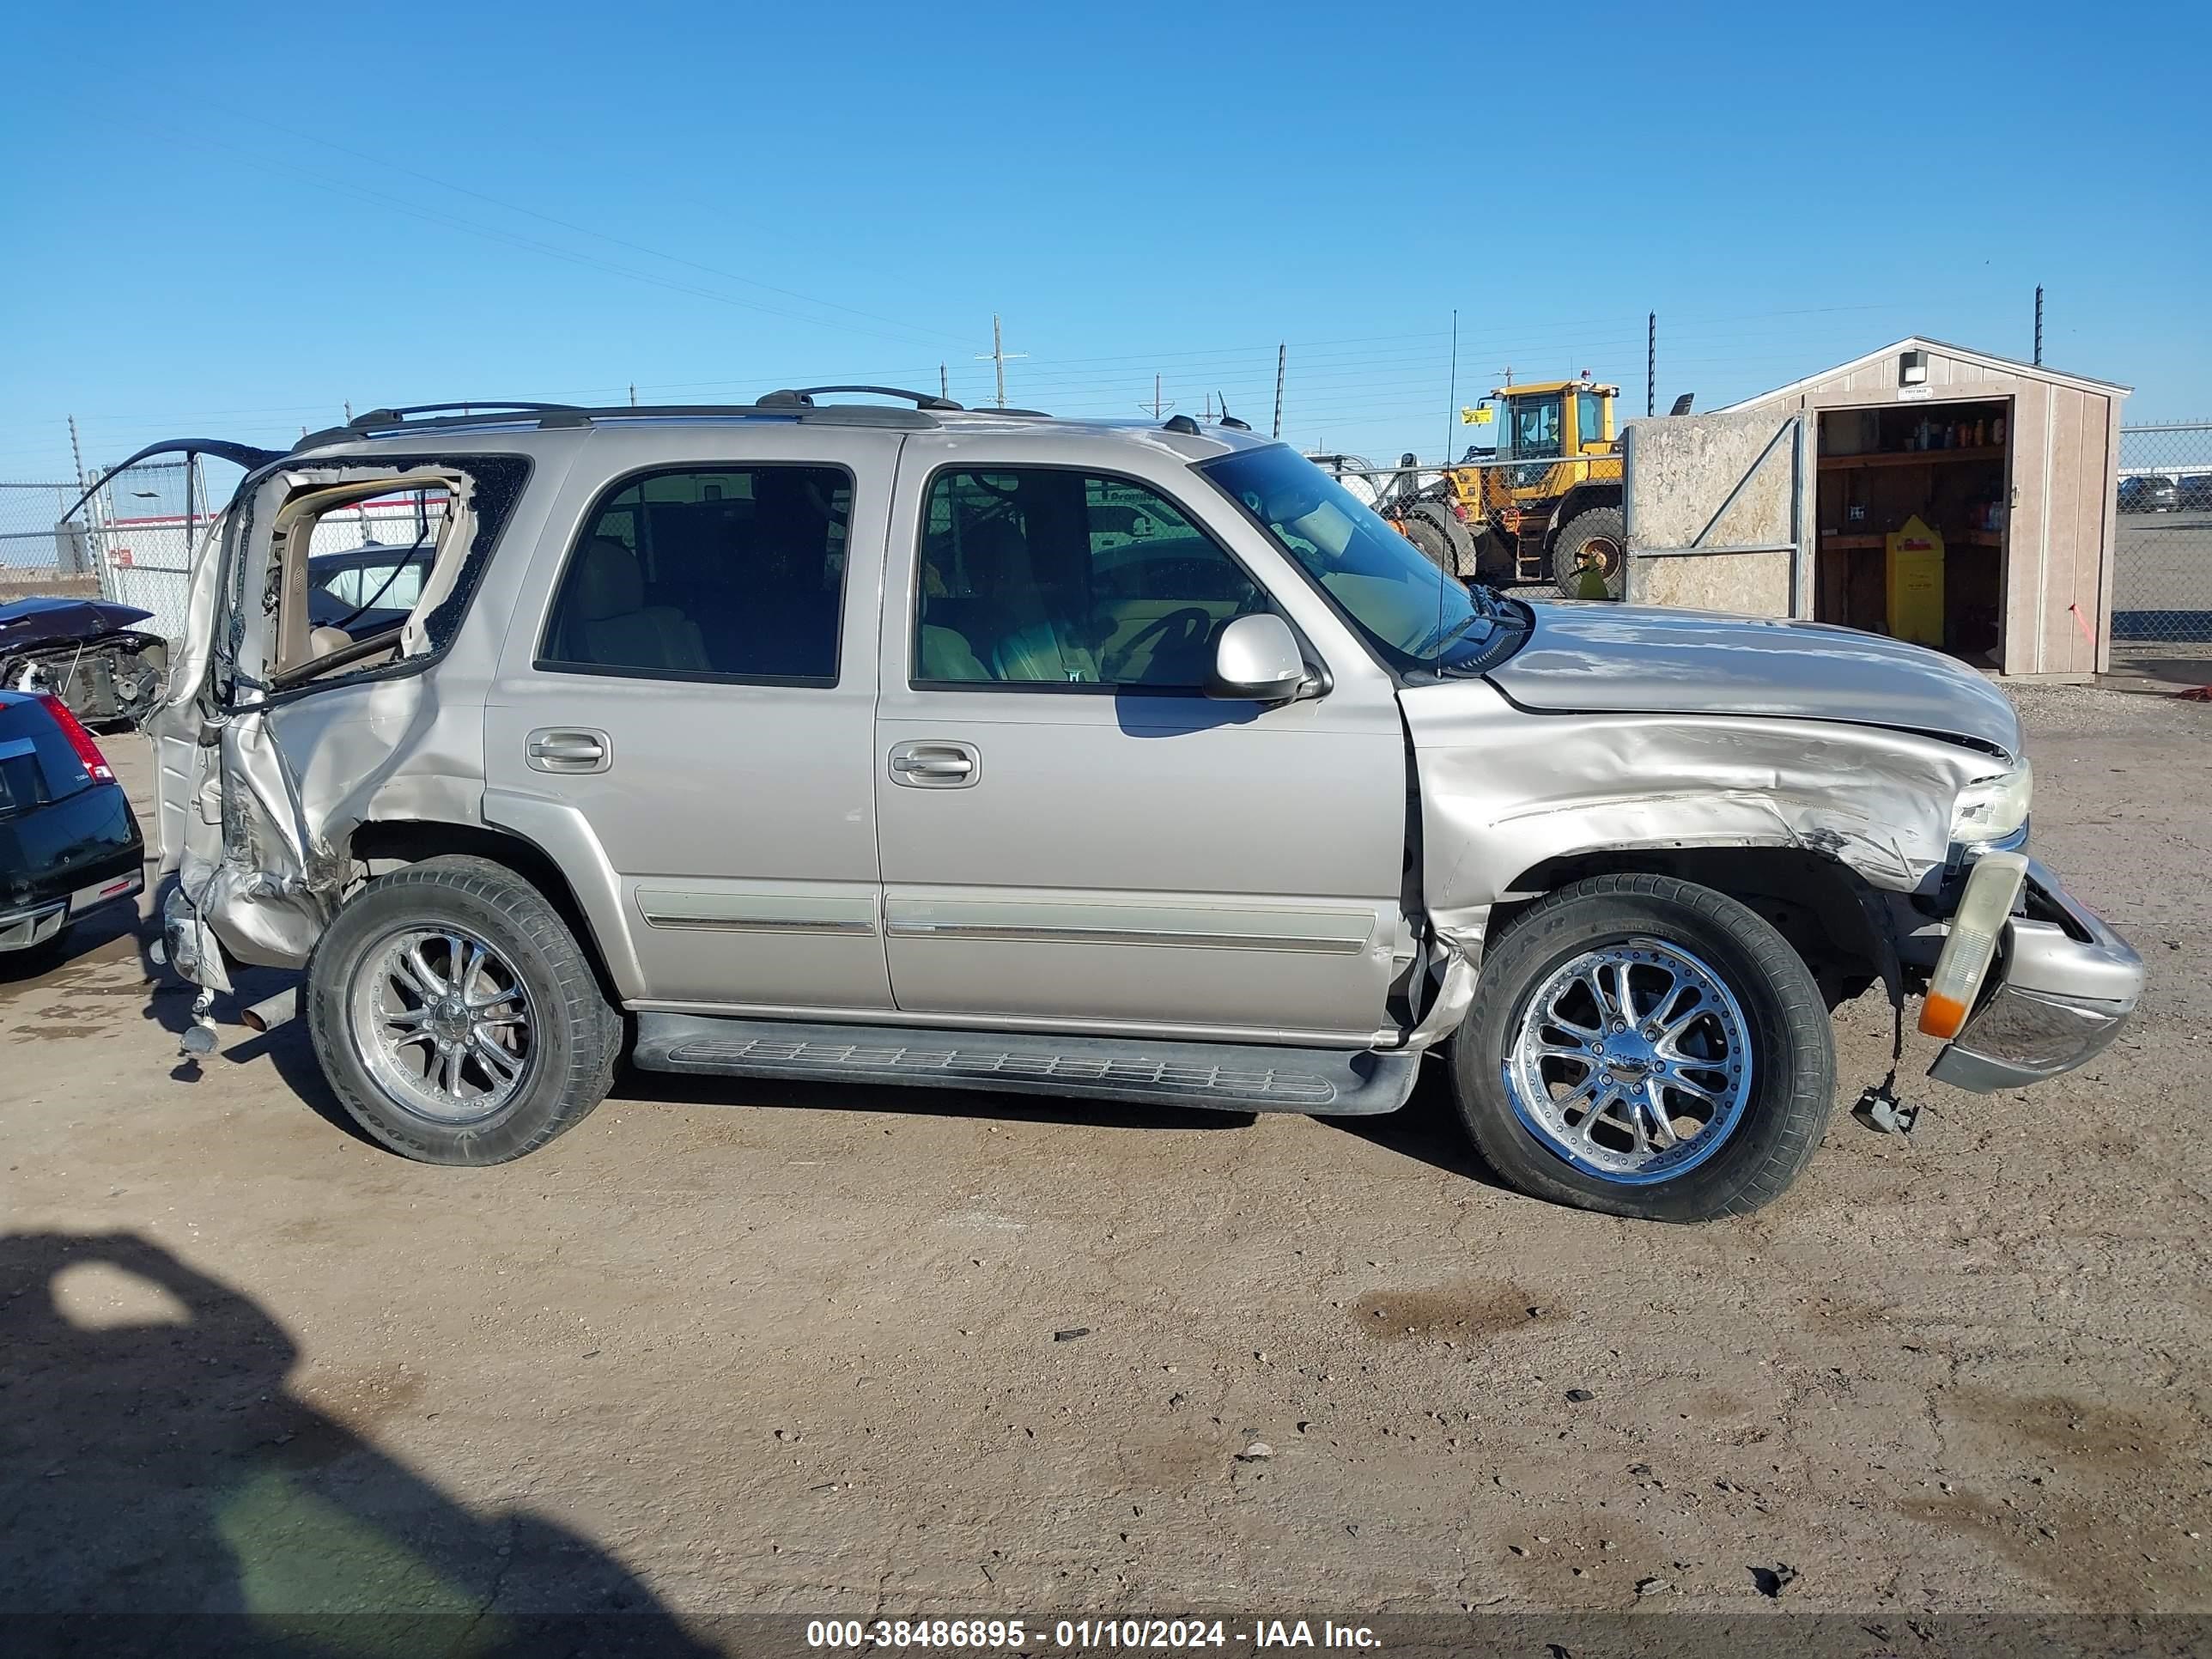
2038,325
998,356
1159,408
944,384
1209,407
1282,360
348,407
1650,362
1451,399
633,394
77,454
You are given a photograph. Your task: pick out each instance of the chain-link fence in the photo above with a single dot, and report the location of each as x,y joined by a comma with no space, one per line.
144,520
2162,566
31,543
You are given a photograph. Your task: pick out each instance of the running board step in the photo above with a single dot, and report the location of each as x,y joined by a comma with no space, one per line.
1222,1076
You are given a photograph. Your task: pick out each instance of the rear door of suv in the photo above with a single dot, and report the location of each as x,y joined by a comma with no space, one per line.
686,700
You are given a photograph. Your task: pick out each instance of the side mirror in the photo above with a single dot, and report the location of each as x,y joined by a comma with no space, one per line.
1257,660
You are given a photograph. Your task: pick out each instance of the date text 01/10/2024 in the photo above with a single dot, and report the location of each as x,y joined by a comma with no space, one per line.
1080,1634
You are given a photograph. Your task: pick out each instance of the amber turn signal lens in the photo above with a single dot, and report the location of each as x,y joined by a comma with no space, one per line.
1941,1016
1976,926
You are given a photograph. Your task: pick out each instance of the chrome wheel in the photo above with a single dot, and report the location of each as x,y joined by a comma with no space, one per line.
442,1023
1631,1062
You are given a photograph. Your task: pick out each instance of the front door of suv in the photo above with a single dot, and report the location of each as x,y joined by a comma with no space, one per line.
1072,834
683,714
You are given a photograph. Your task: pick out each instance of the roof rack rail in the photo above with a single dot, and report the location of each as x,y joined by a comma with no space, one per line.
393,422
379,417
806,394
386,420
824,415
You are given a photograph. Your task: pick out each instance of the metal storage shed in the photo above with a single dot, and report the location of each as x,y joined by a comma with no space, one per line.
1922,489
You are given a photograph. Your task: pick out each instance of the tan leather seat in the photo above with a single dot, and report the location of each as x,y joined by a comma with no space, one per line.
947,655
610,625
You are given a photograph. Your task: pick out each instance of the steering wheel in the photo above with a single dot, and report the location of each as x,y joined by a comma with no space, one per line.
1195,622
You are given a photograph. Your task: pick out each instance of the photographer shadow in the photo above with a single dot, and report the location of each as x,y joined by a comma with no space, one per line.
162,1489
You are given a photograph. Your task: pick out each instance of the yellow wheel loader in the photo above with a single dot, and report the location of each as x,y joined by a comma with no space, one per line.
1546,504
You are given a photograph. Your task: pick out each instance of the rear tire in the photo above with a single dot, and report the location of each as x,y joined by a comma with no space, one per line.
1767,1018
459,969
1597,540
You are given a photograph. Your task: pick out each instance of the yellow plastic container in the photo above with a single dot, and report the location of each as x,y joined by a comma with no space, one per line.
1916,583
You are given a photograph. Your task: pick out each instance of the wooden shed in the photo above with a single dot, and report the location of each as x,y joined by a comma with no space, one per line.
1962,499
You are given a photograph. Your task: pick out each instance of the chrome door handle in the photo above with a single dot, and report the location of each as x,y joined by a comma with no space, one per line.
558,749
936,765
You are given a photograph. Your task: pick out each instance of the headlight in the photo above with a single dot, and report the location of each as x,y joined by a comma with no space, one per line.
1991,809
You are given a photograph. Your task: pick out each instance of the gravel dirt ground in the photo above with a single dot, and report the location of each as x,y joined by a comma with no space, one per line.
773,1348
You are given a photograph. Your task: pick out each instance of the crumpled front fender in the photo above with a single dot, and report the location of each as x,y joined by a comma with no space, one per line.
1503,791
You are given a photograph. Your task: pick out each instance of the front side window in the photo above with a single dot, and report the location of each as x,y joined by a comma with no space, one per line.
1039,576
714,573
1590,409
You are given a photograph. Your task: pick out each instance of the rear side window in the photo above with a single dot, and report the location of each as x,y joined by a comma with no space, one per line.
722,573
1042,576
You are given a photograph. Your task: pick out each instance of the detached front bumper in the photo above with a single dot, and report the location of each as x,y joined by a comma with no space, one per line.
2062,987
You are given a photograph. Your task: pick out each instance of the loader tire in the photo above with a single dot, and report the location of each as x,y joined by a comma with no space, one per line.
1418,528
1592,550
1456,535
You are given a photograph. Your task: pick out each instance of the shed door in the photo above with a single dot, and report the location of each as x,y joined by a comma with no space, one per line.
1716,508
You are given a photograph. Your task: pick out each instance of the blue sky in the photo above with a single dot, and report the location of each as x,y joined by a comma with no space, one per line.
233,221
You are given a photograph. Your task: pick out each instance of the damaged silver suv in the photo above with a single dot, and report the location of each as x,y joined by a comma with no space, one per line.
897,743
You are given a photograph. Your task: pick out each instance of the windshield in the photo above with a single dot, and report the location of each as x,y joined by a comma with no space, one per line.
1416,616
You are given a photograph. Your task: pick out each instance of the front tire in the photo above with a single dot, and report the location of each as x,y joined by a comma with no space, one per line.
1422,529
1449,543
457,1017
1647,1048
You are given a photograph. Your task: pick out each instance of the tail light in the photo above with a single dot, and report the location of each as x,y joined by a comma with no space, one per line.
80,741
